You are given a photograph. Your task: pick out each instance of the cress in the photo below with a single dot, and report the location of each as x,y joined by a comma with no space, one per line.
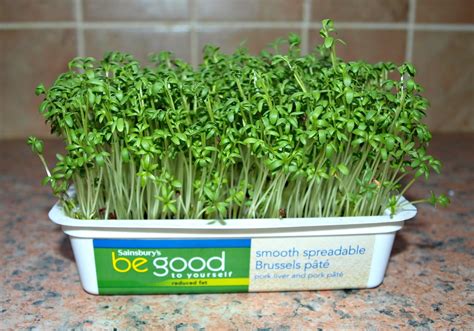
275,135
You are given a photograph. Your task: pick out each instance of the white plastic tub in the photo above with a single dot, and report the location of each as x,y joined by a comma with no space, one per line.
192,256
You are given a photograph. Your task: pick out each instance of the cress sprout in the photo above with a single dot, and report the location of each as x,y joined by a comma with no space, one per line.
242,136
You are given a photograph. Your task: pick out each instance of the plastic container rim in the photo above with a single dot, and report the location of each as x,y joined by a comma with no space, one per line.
407,211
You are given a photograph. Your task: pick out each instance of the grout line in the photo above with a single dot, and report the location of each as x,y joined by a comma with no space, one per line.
37,25
366,25
180,26
194,35
444,27
165,27
410,31
250,25
172,26
305,27
81,48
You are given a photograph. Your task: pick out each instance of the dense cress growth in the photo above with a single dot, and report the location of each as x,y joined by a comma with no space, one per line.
279,134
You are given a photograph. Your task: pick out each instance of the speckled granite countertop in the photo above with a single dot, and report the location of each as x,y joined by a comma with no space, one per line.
428,283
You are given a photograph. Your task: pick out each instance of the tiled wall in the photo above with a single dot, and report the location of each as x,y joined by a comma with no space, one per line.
39,37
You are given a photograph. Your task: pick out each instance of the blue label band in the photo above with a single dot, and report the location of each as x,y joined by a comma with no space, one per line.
171,243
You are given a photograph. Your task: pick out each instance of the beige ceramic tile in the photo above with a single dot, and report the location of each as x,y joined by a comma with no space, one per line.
360,10
445,11
138,42
136,10
368,45
29,57
444,62
249,10
36,10
229,39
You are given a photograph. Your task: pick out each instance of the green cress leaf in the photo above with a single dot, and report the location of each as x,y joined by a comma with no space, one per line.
120,125
389,143
68,121
349,96
343,169
347,80
411,85
37,145
328,42
125,155
443,200
40,89
350,125
99,160
90,97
